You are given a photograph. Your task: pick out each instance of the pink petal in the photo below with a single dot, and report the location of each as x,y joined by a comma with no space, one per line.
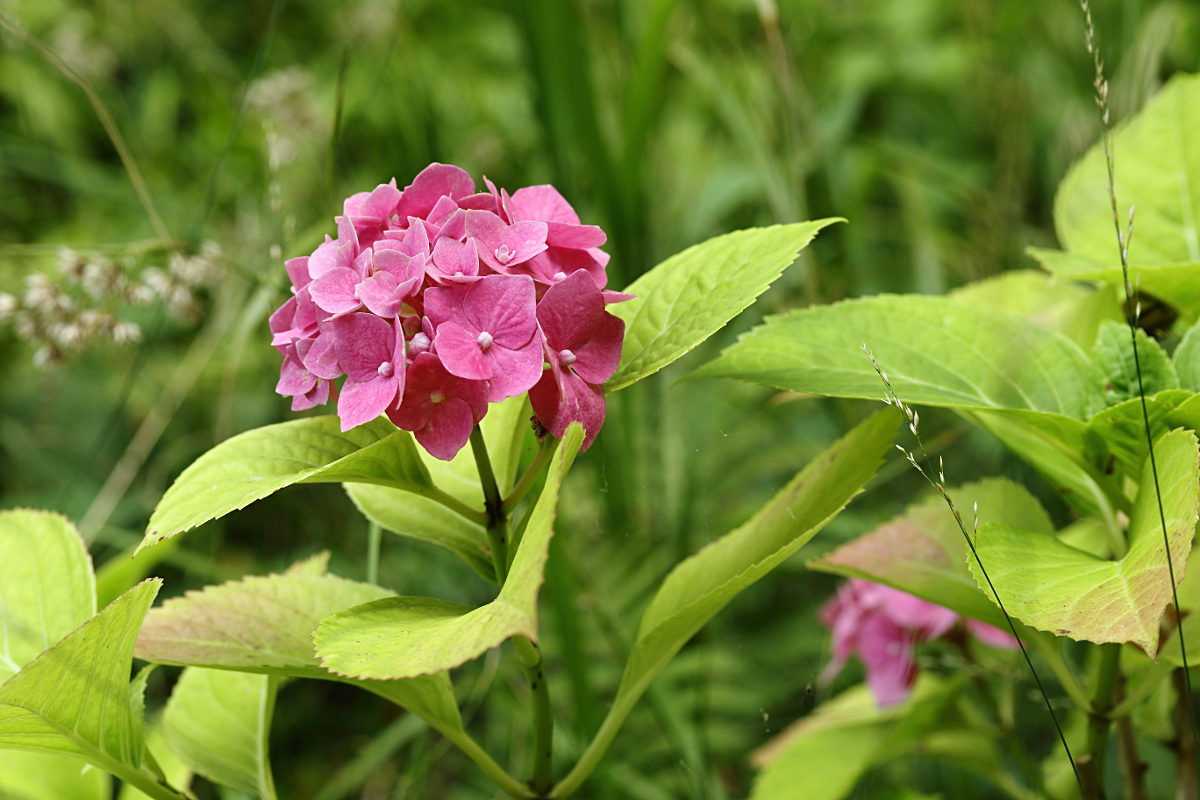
501,246
448,430
514,371
560,397
294,379
363,401
575,237
453,259
334,290
382,294
297,270
991,636
317,396
573,319
439,407
616,297
886,651
433,183
503,305
543,203
364,342
324,258
319,356
460,352
484,201
443,208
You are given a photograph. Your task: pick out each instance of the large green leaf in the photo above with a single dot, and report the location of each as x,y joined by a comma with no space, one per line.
219,723
264,625
258,463
407,636
1073,309
692,294
76,697
923,551
1157,170
1054,587
823,755
47,589
935,351
704,583
46,776
1115,358
1187,360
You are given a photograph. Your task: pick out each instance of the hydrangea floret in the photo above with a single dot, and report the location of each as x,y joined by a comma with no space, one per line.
434,301
884,625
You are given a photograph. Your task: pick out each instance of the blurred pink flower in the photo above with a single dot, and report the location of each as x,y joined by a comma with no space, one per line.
883,625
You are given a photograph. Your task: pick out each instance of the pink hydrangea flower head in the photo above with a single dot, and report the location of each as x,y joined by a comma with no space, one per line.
583,348
487,330
439,408
432,303
883,625
371,351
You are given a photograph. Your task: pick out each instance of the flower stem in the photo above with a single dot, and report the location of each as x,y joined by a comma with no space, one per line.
1092,765
545,451
497,519
1133,769
543,719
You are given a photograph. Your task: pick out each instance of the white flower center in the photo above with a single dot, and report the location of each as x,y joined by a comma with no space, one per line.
437,397
386,370
485,340
566,358
558,276
419,344
503,254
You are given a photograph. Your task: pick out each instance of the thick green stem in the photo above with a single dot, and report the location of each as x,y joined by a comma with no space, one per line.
374,540
545,451
1133,769
1099,725
497,519
1186,766
507,783
543,718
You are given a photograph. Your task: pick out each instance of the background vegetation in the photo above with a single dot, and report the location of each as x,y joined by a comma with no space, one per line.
938,128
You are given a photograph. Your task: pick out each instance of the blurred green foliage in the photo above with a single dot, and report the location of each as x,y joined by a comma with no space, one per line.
939,128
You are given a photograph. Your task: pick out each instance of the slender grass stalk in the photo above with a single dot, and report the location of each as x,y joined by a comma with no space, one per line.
374,540
1132,313
110,125
914,420
235,130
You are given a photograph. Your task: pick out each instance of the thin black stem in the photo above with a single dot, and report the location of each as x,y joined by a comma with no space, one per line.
913,422
497,520
1132,313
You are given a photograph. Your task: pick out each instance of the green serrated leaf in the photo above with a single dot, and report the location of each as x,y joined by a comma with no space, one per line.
1123,428
692,294
923,552
79,691
823,756
935,352
408,636
47,589
1114,357
1173,283
1186,359
1054,587
46,776
420,518
219,724
264,625
1065,452
704,583
258,463
1157,170
1073,309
